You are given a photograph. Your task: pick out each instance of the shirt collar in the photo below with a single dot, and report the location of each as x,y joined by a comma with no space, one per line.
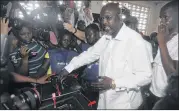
120,34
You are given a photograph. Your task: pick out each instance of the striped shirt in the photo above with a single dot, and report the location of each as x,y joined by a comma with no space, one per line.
34,62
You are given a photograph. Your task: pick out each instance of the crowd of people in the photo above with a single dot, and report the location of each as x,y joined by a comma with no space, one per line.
112,55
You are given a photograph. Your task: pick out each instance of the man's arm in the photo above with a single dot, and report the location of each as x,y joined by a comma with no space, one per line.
141,69
20,78
87,57
170,66
79,34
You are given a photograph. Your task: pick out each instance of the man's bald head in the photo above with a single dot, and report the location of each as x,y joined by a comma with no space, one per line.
111,21
113,7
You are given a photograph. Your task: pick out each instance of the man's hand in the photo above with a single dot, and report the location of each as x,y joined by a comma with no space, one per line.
43,80
4,26
104,83
163,32
69,27
24,52
63,74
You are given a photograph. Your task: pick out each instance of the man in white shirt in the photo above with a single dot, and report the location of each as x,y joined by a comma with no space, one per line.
124,65
169,19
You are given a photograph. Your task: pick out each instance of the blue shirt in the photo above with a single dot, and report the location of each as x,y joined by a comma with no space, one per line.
59,58
92,70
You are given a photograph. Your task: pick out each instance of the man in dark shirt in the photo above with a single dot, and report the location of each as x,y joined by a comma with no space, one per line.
28,57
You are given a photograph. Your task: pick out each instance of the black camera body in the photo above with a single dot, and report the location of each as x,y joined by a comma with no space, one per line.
69,98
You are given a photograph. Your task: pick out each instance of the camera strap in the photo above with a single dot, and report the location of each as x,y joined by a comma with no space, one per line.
54,99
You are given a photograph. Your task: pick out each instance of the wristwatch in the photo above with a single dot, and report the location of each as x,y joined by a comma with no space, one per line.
113,85
75,31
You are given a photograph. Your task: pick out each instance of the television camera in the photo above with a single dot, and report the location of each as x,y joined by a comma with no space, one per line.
58,94
65,93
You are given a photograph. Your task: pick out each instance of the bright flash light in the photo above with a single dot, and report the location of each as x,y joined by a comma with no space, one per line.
59,17
38,16
123,16
22,4
79,2
61,2
29,8
29,4
28,13
21,16
104,3
44,14
36,5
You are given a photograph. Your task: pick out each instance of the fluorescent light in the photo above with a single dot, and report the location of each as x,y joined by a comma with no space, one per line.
109,1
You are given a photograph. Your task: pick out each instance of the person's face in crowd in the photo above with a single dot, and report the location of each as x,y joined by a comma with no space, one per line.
87,3
25,34
91,36
81,25
67,15
170,17
110,20
66,40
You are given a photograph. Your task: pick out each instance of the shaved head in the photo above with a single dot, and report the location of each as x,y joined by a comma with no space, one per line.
169,12
111,21
114,7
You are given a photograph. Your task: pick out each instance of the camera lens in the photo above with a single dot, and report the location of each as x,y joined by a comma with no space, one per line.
29,99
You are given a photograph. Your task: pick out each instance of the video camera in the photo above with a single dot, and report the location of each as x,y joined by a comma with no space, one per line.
58,94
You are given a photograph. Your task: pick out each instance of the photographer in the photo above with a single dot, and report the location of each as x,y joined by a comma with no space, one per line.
5,77
28,57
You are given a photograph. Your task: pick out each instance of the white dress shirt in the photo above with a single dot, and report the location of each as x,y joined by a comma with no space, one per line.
125,60
149,50
159,77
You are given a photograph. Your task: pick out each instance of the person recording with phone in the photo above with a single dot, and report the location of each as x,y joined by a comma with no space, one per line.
28,58
7,74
